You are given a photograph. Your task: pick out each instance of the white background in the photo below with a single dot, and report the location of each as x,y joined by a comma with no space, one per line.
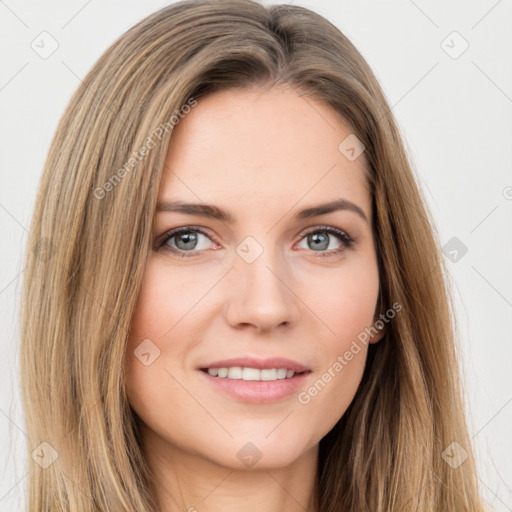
456,118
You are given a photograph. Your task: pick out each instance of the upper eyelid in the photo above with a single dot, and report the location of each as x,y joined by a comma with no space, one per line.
176,231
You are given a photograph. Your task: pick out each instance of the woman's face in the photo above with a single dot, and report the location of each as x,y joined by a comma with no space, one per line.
253,279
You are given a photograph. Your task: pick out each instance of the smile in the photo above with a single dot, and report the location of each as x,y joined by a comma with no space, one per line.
250,374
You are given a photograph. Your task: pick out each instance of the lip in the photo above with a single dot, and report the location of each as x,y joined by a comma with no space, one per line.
257,392
260,364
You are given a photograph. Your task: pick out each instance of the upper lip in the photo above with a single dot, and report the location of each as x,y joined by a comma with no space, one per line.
261,364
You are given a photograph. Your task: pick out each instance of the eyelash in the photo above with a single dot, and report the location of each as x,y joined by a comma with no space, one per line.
347,241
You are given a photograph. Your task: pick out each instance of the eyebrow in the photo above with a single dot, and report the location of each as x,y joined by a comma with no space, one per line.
208,210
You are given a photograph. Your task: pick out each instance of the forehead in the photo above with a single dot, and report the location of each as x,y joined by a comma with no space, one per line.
259,148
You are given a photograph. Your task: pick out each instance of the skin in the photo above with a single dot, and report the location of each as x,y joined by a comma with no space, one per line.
263,155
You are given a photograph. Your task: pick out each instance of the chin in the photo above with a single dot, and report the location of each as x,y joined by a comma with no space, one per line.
254,452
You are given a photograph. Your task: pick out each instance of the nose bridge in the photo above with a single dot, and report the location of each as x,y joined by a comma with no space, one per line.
260,290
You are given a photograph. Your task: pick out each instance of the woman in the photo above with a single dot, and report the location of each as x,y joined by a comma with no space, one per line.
241,302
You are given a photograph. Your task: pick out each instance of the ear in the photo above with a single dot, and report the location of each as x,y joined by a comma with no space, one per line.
378,336
378,321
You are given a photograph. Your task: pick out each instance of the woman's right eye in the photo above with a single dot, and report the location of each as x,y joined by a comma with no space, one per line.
185,240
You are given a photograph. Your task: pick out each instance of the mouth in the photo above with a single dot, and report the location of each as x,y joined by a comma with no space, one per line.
255,380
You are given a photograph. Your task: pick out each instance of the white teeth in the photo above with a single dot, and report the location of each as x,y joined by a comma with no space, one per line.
281,373
236,372
251,374
269,374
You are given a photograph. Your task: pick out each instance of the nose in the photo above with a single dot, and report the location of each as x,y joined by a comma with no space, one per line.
261,294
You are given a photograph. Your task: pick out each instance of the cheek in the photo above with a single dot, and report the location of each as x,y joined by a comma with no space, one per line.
344,300
166,298
346,304
159,308
162,313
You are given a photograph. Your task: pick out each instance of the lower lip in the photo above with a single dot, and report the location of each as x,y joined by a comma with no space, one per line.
256,391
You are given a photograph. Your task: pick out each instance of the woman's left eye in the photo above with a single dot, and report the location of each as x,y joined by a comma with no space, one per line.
191,240
320,238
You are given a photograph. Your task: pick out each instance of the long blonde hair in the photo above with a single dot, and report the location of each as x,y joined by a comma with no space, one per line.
91,235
